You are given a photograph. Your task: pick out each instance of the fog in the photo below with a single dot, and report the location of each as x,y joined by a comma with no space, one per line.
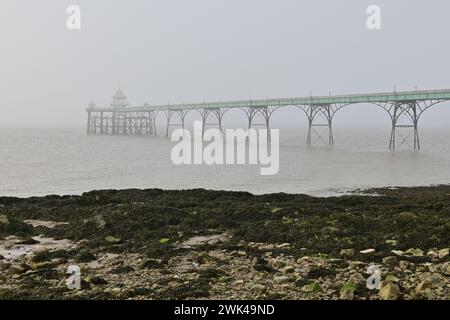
161,51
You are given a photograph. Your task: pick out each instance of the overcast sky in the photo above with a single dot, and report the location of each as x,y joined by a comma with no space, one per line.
185,51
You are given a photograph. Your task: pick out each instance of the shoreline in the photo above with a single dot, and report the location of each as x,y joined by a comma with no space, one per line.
205,244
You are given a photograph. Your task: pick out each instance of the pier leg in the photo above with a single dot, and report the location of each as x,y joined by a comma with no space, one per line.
313,112
113,123
153,121
169,114
101,123
88,128
404,115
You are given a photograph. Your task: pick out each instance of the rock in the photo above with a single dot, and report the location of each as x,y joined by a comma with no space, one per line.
288,269
312,287
390,261
150,263
347,292
4,265
96,280
4,219
391,242
113,240
202,240
202,258
433,254
260,264
357,278
99,221
17,269
41,265
391,278
398,252
154,286
267,247
389,291
258,288
240,281
406,216
28,240
443,253
414,252
403,265
283,246
445,268
58,261
424,285
281,280
367,251
437,280
277,263
347,252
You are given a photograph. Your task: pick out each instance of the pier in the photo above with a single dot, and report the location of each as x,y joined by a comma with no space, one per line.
404,110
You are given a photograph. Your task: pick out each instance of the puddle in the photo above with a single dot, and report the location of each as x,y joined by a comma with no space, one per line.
201,240
11,250
42,223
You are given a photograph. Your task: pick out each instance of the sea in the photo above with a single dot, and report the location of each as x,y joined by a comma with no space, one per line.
42,161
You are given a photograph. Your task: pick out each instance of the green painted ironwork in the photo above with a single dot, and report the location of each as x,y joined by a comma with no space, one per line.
390,97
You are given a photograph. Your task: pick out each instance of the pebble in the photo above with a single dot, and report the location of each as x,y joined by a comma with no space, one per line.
258,288
444,253
390,261
281,280
347,252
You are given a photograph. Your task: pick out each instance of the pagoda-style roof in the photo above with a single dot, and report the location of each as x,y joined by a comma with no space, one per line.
119,94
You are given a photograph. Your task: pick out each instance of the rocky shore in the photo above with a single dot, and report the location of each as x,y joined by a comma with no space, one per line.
199,244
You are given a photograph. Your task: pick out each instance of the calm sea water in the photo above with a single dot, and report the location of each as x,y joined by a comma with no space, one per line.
38,161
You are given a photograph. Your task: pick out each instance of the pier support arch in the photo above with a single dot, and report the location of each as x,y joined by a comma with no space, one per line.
320,116
406,115
169,115
216,114
259,117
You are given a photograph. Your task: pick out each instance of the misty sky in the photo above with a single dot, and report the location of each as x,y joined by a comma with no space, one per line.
185,51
